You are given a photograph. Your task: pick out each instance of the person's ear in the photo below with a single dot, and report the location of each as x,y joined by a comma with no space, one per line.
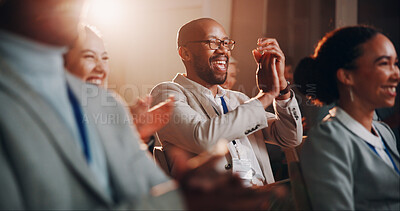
345,77
184,53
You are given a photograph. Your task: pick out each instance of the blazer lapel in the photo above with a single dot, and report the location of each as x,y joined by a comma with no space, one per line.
58,134
205,103
384,132
80,90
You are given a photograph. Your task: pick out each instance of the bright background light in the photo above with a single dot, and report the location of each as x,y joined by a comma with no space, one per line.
105,12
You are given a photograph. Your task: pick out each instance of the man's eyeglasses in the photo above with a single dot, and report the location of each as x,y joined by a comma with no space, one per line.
214,44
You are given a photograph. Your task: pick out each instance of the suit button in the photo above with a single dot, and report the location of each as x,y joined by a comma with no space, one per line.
228,166
295,114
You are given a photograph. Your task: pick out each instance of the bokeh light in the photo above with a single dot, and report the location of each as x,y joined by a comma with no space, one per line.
104,12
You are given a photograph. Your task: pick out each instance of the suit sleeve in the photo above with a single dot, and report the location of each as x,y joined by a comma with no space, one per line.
195,132
284,127
10,196
326,162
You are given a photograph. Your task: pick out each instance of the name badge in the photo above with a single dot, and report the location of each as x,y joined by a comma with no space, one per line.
242,167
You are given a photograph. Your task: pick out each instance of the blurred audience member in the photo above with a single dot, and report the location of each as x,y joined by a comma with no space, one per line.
88,59
350,161
233,70
312,112
205,112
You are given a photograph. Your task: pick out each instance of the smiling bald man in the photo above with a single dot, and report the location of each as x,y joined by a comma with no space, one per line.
205,112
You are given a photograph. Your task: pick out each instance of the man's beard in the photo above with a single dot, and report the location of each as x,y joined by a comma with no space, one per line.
207,74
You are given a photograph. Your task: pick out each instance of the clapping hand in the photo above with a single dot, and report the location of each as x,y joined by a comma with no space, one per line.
148,121
271,66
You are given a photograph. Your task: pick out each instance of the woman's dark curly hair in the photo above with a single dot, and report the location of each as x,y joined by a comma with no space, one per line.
337,49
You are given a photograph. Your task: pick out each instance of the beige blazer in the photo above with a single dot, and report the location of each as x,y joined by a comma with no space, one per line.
41,167
196,127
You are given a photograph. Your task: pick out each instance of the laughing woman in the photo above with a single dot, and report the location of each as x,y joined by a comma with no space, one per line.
349,161
87,59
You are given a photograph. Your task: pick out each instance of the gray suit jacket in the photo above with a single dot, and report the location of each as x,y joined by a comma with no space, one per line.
42,168
196,127
341,172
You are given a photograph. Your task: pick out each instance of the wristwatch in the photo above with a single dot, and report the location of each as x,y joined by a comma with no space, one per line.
286,90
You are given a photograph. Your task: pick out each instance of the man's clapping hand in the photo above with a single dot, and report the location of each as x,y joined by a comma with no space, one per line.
270,73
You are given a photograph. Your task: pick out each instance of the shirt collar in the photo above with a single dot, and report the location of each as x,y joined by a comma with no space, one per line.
355,127
221,92
30,57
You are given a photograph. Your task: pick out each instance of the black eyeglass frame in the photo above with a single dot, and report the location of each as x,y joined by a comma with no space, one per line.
221,43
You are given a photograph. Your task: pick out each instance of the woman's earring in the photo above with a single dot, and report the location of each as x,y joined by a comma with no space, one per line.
351,94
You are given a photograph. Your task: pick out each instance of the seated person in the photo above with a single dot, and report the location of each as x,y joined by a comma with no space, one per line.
312,112
350,161
88,59
204,112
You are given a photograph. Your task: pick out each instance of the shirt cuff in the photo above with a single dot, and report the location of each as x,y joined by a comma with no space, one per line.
284,103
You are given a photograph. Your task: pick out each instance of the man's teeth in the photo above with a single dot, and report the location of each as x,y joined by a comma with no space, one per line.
220,62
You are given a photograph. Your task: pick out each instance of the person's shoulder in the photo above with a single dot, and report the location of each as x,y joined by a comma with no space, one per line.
164,90
329,130
167,85
329,137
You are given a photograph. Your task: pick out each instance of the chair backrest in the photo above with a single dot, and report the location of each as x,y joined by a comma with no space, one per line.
160,158
299,189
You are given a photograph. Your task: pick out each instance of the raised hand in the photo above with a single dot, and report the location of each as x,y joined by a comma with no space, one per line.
271,66
267,75
148,121
269,46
